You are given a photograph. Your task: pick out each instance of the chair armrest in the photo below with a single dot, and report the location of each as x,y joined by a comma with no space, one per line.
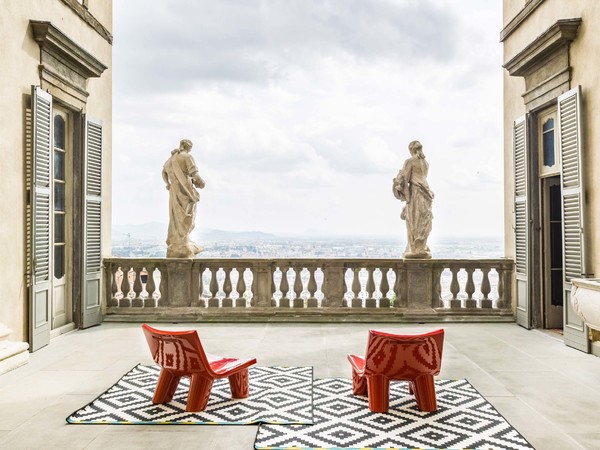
357,363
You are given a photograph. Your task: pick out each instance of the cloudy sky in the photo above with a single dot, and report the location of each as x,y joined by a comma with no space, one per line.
301,111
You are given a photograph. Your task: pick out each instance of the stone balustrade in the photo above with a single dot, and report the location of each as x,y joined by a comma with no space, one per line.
301,289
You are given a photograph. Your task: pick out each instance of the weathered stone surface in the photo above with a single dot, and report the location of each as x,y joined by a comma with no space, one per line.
410,186
180,175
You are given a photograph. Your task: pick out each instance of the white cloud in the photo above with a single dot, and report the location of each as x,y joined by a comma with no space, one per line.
301,112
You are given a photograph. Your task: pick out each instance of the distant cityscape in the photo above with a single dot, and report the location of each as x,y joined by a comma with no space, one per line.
148,241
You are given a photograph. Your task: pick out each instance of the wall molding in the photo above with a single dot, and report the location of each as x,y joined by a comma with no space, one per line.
522,15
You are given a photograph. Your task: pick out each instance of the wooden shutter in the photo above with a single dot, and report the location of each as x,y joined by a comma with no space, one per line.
521,224
92,260
39,225
572,187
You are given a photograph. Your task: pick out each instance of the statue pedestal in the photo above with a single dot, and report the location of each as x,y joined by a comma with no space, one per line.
12,354
419,276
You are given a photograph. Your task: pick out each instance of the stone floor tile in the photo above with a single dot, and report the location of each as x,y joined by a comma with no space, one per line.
540,432
590,440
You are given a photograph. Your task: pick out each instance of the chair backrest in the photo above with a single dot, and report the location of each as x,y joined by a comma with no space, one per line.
400,357
179,351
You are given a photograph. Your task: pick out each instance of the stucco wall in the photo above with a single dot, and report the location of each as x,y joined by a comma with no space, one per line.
19,60
584,50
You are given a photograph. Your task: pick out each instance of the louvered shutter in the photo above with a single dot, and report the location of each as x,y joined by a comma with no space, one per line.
39,248
521,224
572,187
91,308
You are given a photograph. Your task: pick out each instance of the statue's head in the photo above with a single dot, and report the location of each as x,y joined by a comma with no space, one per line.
185,144
416,149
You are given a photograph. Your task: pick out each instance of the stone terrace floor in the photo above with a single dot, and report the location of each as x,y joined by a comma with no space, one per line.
549,392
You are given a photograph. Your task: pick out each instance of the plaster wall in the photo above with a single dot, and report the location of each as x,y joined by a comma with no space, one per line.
19,58
584,49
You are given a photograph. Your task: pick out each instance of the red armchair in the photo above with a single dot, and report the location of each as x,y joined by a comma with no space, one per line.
180,354
412,358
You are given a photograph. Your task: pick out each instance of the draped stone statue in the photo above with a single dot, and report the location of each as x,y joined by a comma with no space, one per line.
181,178
410,186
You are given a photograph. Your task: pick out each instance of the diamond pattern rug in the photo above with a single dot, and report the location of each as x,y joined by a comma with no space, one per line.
464,420
278,395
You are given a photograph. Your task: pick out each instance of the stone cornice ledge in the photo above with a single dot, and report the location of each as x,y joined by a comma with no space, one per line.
88,18
56,43
529,7
558,36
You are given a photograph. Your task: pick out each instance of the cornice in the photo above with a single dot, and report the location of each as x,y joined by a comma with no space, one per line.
516,21
57,44
555,38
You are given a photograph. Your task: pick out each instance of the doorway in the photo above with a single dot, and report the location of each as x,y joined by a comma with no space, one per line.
552,254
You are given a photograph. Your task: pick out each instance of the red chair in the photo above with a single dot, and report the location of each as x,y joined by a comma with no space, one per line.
180,354
412,358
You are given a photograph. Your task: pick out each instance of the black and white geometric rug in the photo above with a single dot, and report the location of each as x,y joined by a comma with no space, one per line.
464,420
278,395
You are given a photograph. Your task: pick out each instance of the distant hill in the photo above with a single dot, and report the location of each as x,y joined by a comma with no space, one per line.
157,231
221,235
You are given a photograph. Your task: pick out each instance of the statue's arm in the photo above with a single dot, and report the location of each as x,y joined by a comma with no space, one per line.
197,181
165,178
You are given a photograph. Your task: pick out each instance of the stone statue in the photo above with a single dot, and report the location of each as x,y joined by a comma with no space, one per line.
181,177
410,186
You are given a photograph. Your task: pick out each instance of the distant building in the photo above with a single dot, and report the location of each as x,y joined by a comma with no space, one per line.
552,156
56,92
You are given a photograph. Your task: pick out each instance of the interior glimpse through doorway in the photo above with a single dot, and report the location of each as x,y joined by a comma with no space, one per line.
552,259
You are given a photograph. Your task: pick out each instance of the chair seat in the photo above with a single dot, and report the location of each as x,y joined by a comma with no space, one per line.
227,366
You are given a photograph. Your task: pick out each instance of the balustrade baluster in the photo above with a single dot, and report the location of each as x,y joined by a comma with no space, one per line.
213,289
298,301
201,301
370,301
455,288
384,288
437,286
400,287
284,287
136,274
312,301
150,301
241,289
227,301
115,289
356,289
250,292
126,288
274,286
504,291
470,289
486,288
